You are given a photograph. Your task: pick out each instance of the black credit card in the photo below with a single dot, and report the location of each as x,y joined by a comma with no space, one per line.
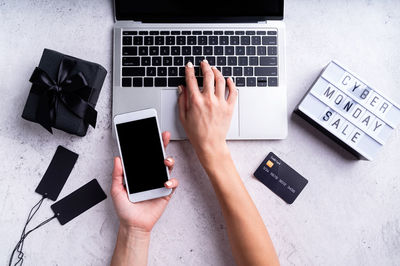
78,202
280,178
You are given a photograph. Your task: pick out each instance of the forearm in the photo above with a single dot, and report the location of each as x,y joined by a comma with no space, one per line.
251,244
131,248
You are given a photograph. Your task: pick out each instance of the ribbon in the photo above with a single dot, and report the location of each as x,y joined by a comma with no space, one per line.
62,91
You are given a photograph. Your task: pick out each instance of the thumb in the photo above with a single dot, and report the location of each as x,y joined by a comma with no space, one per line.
117,176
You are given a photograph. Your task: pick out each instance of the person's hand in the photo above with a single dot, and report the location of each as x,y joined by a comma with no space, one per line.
140,216
206,115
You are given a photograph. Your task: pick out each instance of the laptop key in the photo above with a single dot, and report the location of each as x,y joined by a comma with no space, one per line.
175,50
261,82
248,71
250,50
146,61
273,81
242,61
232,61
159,40
227,71
197,71
130,61
164,32
167,61
251,81
261,32
202,40
151,71
133,71
218,50
186,50
196,32
164,50
138,40
182,71
245,40
240,50
250,32
170,40
189,59
143,50
211,60
126,82
175,82
154,32
143,33
129,50
148,40
207,32
229,50
218,32
178,61
156,61
269,40
271,32
237,71
186,32
266,71
191,40
255,40
172,71
213,40
240,82
229,32
154,50
261,50
160,82
272,50
234,40
137,82
148,82
207,50
175,32
161,71
127,40
268,61
221,61
253,61
239,32
181,40
129,33
197,60
197,50
223,40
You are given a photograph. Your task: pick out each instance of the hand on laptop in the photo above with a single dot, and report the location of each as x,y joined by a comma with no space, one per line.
206,115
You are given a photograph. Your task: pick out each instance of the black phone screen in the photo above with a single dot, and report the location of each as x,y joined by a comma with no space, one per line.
142,155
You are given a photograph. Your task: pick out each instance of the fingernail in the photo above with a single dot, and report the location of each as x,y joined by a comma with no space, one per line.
179,91
169,159
189,64
205,61
213,67
168,183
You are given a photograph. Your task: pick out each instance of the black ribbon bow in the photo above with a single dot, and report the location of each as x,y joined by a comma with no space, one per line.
63,90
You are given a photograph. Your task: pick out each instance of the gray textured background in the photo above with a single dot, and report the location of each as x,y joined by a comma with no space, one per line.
349,213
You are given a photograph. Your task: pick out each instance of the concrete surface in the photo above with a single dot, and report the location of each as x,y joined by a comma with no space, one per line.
349,213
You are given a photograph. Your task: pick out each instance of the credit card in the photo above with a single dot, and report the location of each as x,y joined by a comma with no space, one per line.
280,178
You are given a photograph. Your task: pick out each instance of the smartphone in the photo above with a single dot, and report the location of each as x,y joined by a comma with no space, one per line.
142,154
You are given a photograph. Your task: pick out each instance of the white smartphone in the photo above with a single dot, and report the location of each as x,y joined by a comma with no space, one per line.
142,154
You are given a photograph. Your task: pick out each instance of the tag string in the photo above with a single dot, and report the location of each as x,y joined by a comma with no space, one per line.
20,243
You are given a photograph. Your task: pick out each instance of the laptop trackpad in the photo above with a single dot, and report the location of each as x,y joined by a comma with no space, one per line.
170,114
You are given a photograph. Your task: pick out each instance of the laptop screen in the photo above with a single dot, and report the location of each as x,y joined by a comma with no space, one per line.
198,11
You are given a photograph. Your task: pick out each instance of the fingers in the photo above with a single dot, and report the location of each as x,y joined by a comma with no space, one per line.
172,183
182,103
117,177
166,137
208,78
169,162
191,81
219,83
233,93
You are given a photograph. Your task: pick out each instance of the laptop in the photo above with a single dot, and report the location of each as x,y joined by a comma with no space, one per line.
154,39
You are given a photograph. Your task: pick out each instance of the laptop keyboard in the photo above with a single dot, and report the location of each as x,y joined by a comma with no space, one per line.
158,58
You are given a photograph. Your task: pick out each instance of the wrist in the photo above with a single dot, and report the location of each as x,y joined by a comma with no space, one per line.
211,156
134,233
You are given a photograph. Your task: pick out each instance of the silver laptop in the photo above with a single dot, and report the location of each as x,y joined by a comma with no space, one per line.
154,39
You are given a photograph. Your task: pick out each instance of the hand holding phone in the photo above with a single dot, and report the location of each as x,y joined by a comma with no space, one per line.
141,215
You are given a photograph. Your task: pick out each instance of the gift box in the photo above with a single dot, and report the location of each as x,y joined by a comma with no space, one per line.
64,93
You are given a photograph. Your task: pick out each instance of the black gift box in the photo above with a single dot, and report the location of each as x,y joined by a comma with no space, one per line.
64,93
